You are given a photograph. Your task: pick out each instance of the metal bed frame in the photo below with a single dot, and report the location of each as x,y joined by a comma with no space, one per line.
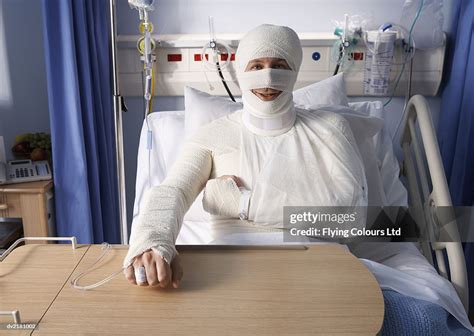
428,190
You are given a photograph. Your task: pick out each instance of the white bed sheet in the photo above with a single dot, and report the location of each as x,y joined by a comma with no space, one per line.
408,272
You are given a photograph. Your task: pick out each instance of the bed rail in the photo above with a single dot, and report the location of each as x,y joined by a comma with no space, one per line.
428,190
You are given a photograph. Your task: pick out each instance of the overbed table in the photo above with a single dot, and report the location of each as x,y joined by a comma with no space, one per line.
322,290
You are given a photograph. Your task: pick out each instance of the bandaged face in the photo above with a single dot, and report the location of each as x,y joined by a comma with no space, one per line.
266,93
268,60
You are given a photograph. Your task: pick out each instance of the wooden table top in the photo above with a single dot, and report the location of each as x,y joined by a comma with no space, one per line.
27,187
233,291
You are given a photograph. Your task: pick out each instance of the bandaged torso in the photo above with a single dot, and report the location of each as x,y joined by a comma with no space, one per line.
316,162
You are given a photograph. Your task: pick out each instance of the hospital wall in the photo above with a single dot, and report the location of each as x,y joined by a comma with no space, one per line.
23,91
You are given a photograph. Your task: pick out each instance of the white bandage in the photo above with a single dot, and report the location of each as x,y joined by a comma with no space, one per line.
221,198
140,275
161,215
244,203
278,79
276,116
270,41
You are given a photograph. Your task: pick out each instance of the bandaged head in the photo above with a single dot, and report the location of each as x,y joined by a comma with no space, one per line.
268,41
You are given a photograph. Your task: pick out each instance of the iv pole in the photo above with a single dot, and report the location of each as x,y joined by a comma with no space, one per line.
119,106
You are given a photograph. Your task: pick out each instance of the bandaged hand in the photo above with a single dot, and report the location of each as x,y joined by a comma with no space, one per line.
234,178
150,269
224,196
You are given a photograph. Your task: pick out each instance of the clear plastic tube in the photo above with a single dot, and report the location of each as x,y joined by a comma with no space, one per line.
410,34
216,51
216,47
74,282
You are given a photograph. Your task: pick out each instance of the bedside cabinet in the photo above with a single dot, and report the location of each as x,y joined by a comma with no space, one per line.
33,203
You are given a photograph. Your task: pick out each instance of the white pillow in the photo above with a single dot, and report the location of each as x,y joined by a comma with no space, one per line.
202,108
331,91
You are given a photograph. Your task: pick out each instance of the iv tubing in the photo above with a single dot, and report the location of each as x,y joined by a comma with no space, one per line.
74,282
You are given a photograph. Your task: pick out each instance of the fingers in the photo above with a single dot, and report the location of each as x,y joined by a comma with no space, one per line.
237,181
136,265
164,272
158,271
150,268
233,177
130,275
177,271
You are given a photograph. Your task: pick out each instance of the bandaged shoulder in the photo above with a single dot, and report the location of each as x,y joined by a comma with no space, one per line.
338,121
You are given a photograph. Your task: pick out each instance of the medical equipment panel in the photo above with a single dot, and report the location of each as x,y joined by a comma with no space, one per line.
179,63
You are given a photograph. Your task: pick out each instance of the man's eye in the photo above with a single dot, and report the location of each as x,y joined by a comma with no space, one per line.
256,67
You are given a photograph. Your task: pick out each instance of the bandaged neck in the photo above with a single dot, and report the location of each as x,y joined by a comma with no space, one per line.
268,118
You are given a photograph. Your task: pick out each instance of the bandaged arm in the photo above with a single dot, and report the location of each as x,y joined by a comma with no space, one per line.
164,206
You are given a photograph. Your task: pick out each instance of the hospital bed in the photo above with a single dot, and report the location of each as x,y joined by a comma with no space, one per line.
422,170
428,189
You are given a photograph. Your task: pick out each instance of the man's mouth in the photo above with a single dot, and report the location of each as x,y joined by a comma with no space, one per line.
266,95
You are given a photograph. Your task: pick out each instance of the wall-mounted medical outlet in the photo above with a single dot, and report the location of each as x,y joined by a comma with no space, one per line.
356,56
179,63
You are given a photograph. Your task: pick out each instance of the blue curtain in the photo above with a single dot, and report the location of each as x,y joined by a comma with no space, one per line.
76,43
456,130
